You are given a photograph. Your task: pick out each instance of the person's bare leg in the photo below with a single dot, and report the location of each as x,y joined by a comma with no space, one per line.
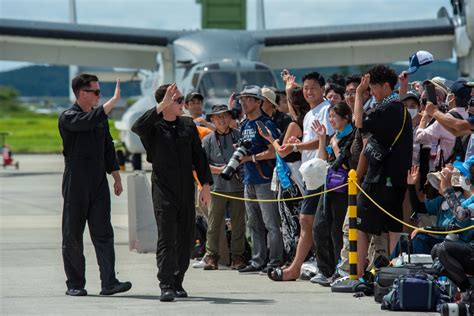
362,249
393,238
305,243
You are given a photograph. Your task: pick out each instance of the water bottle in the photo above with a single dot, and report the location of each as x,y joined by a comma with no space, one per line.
434,150
388,182
444,283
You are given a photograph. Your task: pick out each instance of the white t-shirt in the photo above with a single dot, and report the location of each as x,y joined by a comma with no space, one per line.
320,113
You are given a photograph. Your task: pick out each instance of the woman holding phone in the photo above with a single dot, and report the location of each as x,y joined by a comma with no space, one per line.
289,210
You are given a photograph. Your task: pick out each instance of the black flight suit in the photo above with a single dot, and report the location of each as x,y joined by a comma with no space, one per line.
174,149
88,155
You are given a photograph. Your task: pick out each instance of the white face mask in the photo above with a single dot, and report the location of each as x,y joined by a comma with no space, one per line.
464,183
413,112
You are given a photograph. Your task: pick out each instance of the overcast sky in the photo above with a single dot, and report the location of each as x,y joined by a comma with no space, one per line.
186,14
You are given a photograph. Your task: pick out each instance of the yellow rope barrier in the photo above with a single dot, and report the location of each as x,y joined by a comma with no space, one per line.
278,200
409,225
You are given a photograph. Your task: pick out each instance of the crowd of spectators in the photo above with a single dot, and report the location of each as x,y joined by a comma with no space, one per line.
413,156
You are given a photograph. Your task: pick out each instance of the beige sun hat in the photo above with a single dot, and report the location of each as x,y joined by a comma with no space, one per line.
270,95
435,177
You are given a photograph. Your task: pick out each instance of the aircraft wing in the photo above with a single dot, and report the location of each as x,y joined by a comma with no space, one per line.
355,44
85,45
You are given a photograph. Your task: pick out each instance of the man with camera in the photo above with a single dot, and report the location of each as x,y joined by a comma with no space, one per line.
258,171
438,133
455,126
219,148
173,147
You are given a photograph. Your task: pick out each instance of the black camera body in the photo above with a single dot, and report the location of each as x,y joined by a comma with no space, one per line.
243,146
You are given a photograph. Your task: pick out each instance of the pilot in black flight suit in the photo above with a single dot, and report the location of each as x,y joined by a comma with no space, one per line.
88,155
174,149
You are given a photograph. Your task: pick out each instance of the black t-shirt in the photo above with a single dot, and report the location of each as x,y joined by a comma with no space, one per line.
384,123
345,157
280,119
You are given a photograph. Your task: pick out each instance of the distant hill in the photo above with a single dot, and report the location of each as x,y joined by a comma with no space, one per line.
53,81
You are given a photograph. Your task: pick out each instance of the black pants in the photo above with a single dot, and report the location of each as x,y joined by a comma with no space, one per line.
175,221
327,231
457,259
86,199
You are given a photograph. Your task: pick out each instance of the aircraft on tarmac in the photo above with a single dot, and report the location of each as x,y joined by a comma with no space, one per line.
218,62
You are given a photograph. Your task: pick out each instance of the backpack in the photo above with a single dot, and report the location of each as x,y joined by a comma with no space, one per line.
460,145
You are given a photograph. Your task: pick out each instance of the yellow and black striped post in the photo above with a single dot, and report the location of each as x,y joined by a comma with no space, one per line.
352,209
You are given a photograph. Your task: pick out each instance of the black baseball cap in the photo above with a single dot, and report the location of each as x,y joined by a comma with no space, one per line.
460,90
193,94
412,94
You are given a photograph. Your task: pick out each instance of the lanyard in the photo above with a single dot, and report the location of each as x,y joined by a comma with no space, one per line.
219,144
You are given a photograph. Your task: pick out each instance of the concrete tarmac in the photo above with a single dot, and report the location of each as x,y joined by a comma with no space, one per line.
32,280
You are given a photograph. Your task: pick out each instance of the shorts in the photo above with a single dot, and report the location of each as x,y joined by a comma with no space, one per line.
372,220
310,204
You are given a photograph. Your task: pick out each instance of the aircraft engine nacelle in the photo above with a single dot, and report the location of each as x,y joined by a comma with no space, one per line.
131,140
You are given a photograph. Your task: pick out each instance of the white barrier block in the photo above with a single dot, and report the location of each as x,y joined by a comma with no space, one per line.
142,230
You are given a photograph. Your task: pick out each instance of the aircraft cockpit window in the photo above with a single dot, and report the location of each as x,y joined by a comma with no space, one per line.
218,84
195,79
261,78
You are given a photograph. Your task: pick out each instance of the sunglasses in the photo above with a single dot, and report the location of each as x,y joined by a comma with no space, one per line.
96,92
179,100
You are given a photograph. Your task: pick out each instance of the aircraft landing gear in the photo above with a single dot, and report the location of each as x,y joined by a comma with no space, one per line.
137,161
123,157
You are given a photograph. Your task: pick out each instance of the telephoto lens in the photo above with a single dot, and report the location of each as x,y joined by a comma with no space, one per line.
453,309
231,168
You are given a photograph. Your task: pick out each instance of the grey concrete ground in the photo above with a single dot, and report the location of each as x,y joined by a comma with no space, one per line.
32,276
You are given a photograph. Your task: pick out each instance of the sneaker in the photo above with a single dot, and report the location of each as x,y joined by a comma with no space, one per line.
322,280
341,272
340,279
250,269
238,263
212,263
202,263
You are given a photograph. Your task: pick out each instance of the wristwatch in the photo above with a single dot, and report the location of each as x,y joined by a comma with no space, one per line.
295,148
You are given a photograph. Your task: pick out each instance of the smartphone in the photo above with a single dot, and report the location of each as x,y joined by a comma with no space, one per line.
430,92
263,128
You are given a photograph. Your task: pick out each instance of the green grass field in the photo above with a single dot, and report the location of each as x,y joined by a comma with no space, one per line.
34,133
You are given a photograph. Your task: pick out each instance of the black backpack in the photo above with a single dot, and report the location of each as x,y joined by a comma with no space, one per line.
460,146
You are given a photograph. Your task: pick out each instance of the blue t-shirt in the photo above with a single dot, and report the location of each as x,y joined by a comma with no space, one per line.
445,217
249,131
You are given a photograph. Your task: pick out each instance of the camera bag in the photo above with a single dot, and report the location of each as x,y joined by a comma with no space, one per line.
413,292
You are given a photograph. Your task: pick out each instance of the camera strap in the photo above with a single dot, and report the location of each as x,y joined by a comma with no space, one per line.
219,144
260,171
